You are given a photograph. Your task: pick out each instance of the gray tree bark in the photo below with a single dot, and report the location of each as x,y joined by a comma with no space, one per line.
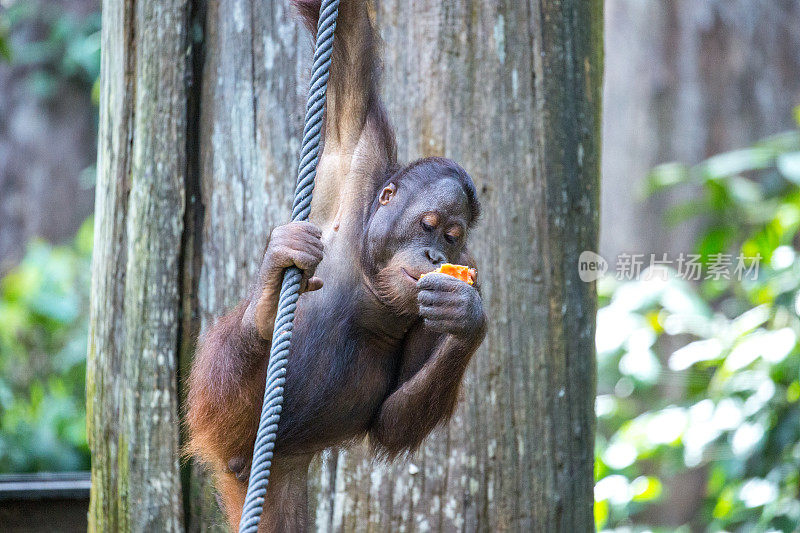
132,408
511,90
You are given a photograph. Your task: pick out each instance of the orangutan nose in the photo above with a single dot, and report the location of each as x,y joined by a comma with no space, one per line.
435,256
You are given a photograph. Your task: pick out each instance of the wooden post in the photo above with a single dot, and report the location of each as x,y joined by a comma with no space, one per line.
132,408
198,154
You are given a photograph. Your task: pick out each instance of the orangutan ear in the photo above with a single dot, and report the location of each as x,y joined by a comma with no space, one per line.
387,194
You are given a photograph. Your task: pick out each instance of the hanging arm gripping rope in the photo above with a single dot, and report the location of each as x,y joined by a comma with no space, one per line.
290,288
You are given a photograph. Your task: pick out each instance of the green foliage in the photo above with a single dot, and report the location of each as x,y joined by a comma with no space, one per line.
704,379
43,330
44,300
51,44
5,31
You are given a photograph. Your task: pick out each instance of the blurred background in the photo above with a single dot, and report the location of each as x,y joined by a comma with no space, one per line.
699,379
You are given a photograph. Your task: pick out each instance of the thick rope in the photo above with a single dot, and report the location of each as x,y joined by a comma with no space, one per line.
290,289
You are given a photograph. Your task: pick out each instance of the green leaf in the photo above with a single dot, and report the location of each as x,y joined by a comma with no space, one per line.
787,141
789,166
736,162
5,48
665,176
724,504
646,488
57,307
5,37
715,241
685,211
743,191
20,283
600,514
793,392
84,239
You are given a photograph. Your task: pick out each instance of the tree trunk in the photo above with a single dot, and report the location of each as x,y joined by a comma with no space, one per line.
510,90
132,410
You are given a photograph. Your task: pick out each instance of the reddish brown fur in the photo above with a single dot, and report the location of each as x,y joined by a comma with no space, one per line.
357,365
353,93
213,425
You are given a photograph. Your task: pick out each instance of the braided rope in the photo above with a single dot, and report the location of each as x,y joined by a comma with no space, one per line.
290,289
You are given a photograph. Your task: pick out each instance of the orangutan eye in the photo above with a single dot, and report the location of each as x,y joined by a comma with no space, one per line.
429,222
453,234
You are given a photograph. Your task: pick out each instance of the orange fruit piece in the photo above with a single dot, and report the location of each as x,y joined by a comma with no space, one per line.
464,273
